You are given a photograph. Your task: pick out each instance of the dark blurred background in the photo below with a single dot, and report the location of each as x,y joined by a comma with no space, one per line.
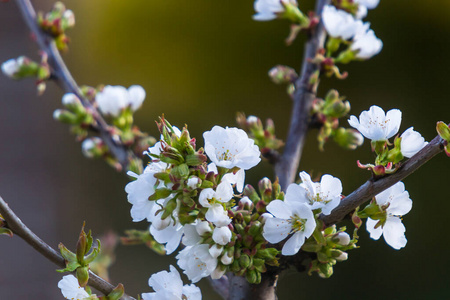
200,61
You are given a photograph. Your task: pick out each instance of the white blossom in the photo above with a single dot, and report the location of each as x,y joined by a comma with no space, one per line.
374,124
366,45
412,142
290,217
325,195
89,145
138,193
237,179
196,262
338,23
11,67
231,147
213,199
113,99
170,235
169,286
193,182
398,203
71,289
222,235
267,10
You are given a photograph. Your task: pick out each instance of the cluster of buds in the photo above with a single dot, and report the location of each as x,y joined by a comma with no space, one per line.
56,22
327,113
23,67
79,261
264,136
329,246
284,75
444,132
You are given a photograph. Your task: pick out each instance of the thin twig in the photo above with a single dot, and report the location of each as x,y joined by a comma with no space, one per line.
17,227
375,186
305,93
65,79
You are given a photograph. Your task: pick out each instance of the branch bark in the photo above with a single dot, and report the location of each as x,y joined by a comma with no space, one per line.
286,168
20,229
65,79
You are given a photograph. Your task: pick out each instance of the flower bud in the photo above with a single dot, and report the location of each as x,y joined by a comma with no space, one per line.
348,138
342,238
282,74
83,276
69,17
222,235
246,203
92,147
215,250
218,272
244,261
226,260
443,130
65,116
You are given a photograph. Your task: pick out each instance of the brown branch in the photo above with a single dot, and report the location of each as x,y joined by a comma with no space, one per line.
17,227
305,93
64,78
375,186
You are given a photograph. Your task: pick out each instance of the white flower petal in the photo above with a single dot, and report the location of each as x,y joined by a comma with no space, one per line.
394,233
375,233
294,243
275,230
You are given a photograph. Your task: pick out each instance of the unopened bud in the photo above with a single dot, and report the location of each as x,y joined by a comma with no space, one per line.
342,238
69,17
282,74
348,138
92,147
443,130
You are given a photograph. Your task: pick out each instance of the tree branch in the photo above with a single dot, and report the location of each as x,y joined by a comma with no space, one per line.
63,77
17,227
305,93
375,186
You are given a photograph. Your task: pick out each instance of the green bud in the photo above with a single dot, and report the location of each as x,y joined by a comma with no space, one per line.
251,276
250,192
311,247
244,261
83,276
66,117
282,74
333,44
348,138
116,293
443,130
195,159
255,228
235,266
325,270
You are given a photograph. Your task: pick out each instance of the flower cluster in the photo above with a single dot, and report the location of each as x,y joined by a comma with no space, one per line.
201,205
379,126
344,28
295,215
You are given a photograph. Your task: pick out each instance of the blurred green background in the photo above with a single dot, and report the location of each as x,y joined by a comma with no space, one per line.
200,61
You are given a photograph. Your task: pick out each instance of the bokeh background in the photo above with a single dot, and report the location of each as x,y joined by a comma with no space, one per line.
200,61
